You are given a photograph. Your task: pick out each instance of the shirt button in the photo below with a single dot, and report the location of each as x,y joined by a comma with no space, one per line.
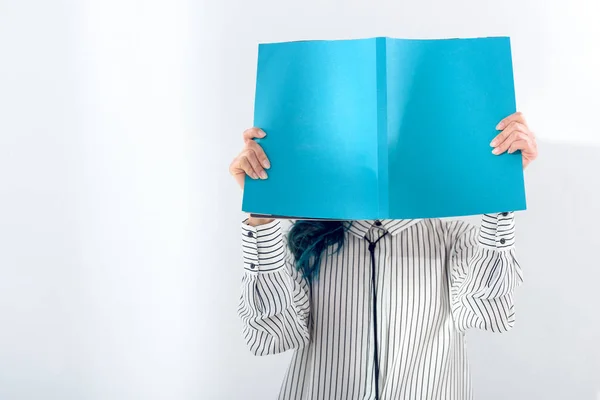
504,214
502,241
378,223
250,233
252,265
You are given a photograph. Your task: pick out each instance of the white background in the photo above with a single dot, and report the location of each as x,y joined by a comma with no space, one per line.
120,260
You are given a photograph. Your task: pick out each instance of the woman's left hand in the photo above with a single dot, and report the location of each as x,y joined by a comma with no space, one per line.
515,136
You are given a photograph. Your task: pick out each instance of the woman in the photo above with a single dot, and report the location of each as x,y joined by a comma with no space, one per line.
377,309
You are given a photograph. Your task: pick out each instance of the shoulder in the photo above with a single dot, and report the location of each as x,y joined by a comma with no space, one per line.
450,227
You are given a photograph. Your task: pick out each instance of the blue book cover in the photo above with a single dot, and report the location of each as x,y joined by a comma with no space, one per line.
384,128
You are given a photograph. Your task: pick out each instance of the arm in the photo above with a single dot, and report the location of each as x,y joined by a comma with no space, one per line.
483,272
274,305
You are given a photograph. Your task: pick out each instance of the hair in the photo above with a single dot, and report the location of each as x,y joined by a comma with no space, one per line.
308,240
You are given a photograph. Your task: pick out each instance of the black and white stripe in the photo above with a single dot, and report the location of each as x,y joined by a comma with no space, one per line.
434,279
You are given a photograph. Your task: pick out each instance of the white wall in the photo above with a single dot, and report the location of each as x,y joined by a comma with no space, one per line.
553,352
119,247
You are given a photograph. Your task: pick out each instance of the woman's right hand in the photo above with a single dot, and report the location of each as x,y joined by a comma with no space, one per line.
252,160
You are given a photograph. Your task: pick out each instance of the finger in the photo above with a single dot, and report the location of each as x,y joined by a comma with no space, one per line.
522,145
260,153
516,117
505,134
252,133
512,137
258,169
526,143
246,166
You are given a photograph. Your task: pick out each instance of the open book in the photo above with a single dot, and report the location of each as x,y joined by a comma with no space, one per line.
384,128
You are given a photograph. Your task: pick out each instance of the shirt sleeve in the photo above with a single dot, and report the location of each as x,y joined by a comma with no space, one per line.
274,304
484,272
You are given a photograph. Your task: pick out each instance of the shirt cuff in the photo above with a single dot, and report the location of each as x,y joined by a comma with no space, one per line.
263,246
498,230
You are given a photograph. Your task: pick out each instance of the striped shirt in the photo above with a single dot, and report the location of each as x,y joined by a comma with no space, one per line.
434,279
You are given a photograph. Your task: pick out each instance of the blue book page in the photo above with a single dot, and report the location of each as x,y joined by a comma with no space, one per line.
317,102
444,100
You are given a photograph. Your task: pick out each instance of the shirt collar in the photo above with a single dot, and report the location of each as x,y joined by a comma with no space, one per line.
393,226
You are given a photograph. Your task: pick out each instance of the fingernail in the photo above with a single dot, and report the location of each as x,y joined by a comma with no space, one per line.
266,164
263,175
500,125
262,134
496,151
494,143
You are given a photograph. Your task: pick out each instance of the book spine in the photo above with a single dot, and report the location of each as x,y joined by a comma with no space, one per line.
382,126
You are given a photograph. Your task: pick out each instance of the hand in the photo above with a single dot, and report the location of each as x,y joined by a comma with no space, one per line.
252,159
515,136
